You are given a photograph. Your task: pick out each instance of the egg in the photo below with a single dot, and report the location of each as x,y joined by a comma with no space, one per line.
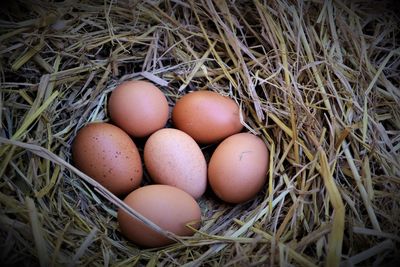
172,157
238,167
207,116
138,107
108,155
168,207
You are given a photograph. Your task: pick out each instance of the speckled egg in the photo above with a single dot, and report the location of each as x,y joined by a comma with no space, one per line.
168,207
207,116
172,157
138,107
108,155
238,167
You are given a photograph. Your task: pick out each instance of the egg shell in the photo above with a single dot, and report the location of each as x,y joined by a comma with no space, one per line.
207,116
168,207
172,157
238,167
138,107
108,155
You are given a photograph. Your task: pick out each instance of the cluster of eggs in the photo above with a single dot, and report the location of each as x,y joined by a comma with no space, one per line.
172,157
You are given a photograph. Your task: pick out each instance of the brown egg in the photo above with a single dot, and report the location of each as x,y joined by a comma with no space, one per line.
207,116
238,167
107,154
172,157
138,107
168,207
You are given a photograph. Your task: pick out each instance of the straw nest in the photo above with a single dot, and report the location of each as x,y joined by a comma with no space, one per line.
317,80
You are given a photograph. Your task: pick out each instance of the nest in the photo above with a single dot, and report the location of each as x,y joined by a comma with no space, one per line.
317,80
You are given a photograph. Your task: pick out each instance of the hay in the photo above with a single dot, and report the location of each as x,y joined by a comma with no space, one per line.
317,80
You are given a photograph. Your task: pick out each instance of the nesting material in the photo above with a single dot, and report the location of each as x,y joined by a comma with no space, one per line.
318,81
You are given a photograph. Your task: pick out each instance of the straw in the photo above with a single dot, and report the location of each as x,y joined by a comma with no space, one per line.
317,81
